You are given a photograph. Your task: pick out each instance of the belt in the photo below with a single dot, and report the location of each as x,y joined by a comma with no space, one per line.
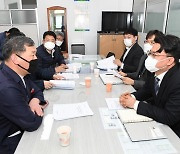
14,134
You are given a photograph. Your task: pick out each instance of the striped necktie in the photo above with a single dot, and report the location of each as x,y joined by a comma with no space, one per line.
156,85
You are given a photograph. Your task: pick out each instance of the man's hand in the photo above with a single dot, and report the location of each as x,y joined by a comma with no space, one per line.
122,73
35,107
117,62
48,85
126,100
57,77
60,68
128,81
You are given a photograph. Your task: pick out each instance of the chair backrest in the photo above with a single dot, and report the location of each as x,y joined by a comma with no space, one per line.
110,54
78,49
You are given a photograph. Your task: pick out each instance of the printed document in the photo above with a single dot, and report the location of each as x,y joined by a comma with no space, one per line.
107,63
69,76
113,104
68,111
63,84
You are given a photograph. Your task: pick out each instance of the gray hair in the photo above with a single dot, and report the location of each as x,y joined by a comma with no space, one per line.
16,45
59,33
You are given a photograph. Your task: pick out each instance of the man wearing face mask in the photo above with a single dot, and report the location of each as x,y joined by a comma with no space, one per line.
61,44
163,85
129,61
137,79
20,99
50,60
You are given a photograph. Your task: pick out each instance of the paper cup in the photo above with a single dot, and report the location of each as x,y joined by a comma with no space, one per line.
88,82
96,72
108,87
92,65
64,133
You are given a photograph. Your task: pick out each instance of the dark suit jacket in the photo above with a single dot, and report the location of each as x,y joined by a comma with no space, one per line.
140,75
165,107
132,59
15,113
47,63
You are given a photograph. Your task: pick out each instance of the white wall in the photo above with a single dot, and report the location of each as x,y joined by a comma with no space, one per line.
2,5
95,9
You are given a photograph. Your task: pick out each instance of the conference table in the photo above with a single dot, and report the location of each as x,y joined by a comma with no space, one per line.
88,135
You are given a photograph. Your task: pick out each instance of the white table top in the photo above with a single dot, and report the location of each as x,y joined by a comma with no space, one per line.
88,134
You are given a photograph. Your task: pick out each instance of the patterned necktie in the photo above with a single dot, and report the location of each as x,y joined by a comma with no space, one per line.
156,85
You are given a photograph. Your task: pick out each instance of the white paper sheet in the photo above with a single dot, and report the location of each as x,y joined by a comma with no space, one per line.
69,76
145,147
110,78
63,84
47,126
113,104
110,119
107,63
67,111
73,68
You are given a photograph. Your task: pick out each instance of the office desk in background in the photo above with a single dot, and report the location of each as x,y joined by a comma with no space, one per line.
88,134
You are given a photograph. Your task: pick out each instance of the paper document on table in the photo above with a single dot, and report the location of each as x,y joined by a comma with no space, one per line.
74,67
107,63
145,147
144,131
130,115
68,111
63,84
47,126
113,104
69,76
110,78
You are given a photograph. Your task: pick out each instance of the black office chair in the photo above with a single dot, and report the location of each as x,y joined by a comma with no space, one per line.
78,49
110,54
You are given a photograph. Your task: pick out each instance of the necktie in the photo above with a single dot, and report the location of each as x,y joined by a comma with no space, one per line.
156,85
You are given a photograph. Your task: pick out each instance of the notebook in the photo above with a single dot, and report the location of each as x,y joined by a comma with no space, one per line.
130,116
144,131
110,78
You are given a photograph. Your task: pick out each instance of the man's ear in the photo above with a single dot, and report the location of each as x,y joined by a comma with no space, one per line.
136,38
171,60
14,59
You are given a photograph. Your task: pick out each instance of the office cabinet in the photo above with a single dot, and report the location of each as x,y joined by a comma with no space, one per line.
110,43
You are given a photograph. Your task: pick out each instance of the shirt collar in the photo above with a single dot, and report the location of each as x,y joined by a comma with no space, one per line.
12,73
161,76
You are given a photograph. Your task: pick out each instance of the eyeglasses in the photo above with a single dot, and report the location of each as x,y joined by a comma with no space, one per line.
154,54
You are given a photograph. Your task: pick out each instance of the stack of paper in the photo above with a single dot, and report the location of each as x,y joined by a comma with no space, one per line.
107,63
63,84
67,111
130,115
69,76
74,67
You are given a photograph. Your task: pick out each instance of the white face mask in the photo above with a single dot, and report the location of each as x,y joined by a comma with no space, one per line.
127,42
147,47
150,64
58,43
49,45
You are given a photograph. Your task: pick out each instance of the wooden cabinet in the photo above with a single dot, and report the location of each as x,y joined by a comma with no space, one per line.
110,43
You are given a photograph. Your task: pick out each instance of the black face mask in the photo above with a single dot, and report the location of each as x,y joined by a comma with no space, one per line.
32,65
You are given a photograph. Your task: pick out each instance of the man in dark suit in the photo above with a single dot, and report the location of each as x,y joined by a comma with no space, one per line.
20,99
129,61
50,60
163,85
137,79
